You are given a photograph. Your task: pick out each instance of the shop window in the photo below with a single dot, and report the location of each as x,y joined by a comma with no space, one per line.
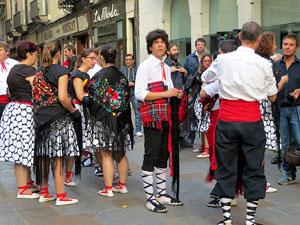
120,29
180,20
276,12
223,15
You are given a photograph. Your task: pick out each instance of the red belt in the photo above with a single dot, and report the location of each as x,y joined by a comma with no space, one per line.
4,99
27,103
76,101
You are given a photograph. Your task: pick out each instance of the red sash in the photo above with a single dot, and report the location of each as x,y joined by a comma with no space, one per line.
239,111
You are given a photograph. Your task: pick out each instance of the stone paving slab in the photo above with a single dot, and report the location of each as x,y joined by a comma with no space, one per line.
282,207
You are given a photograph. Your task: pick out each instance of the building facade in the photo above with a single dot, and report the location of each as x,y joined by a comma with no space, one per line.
24,17
83,23
186,20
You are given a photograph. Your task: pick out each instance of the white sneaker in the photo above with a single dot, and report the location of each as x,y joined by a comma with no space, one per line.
139,134
197,150
106,193
120,189
203,155
70,183
47,198
63,201
268,184
271,190
28,196
116,175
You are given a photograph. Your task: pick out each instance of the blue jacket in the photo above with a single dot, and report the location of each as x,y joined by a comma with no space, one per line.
191,64
133,70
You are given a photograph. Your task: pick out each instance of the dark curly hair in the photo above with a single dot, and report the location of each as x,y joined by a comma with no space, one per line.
265,47
24,47
154,35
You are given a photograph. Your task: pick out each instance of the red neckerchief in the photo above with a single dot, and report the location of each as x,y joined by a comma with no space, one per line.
3,67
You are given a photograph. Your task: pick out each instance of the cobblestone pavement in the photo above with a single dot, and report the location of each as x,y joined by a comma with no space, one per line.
282,207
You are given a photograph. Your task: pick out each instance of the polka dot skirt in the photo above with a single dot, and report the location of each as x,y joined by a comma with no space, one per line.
98,136
58,140
269,125
203,120
17,134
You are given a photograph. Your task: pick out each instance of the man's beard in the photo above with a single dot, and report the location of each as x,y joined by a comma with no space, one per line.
174,57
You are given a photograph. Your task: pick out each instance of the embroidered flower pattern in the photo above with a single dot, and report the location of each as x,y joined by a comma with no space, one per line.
43,93
113,98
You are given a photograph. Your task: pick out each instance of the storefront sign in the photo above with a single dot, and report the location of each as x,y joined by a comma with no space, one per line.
106,12
82,22
60,30
65,28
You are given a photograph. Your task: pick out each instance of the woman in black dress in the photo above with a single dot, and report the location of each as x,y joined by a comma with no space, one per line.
110,128
78,89
55,117
17,123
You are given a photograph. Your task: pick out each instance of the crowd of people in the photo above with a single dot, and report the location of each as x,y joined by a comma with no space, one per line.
243,100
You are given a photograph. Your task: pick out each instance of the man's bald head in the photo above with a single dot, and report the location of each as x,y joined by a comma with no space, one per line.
251,32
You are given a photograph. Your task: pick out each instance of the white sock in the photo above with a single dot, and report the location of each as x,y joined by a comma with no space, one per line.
161,175
226,207
251,211
148,184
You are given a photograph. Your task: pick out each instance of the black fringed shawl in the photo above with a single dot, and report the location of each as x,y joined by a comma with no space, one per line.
47,111
110,93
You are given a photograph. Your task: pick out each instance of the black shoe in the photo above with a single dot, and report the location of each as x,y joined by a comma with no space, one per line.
274,160
216,203
98,171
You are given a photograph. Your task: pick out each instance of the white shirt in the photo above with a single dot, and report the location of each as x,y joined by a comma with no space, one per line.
243,75
9,63
148,72
93,71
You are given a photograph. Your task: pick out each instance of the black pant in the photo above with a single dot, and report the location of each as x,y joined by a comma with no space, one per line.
248,138
156,147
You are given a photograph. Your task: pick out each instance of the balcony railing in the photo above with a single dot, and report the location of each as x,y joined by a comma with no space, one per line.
20,23
39,11
9,30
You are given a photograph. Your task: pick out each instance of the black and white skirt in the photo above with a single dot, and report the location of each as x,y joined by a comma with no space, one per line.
99,137
269,125
202,120
58,140
17,134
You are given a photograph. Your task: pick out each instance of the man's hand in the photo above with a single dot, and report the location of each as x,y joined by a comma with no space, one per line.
295,93
181,69
131,83
180,94
173,92
173,69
